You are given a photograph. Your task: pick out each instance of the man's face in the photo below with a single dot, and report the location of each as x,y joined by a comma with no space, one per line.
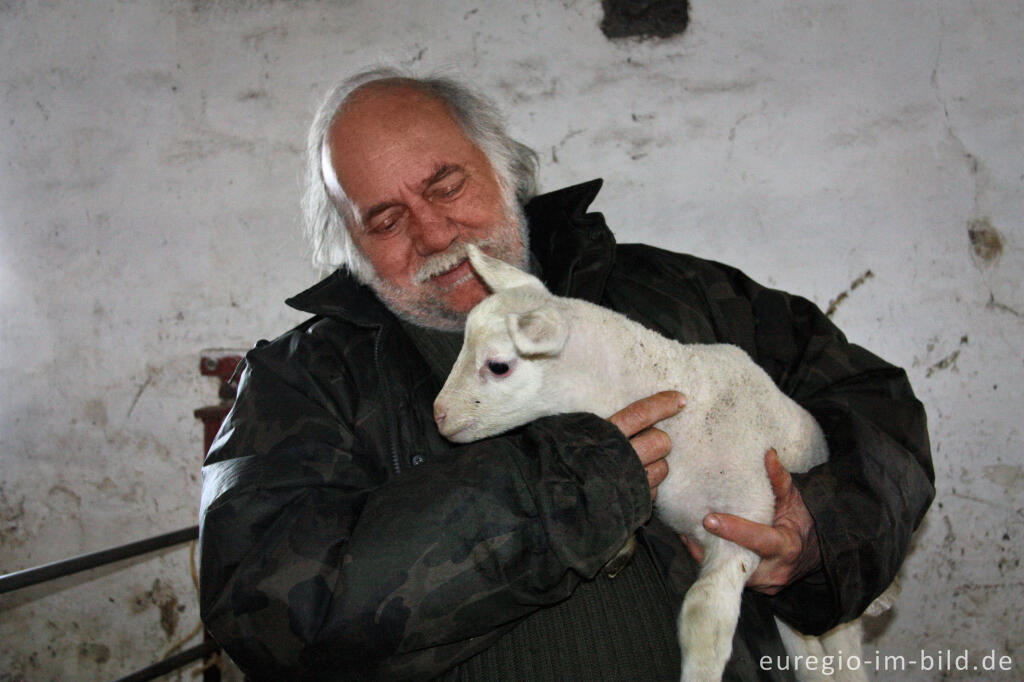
422,190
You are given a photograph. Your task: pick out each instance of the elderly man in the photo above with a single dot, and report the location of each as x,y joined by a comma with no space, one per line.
343,538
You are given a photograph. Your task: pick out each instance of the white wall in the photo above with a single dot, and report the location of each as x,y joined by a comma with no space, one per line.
150,155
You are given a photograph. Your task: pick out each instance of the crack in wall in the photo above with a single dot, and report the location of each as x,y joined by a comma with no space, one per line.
150,374
838,300
975,168
949,361
12,518
993,304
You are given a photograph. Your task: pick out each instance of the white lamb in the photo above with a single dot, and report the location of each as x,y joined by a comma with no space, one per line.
528,354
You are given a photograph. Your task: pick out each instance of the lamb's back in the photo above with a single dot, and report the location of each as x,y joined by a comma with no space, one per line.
733,415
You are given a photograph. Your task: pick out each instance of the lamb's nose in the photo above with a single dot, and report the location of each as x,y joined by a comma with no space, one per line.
439,414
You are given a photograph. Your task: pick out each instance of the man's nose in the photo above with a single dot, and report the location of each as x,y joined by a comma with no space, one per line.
433,231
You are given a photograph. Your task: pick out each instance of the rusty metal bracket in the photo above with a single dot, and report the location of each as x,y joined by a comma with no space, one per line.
223,364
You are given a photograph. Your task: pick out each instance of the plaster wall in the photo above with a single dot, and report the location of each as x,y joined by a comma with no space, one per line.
150,156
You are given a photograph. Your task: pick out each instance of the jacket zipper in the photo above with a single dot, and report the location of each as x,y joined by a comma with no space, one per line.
392,436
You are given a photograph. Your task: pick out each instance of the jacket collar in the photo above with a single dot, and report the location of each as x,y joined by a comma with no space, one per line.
341,295
575,250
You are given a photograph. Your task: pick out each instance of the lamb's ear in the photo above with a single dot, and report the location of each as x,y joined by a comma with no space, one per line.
497,274
539,332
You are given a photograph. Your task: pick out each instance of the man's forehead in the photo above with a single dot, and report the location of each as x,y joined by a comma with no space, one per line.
395,134
391,109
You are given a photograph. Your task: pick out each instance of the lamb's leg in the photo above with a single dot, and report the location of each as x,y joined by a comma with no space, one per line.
711,609
841,647
837,652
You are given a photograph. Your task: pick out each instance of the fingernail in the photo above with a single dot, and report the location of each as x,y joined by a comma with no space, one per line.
711,522
682,401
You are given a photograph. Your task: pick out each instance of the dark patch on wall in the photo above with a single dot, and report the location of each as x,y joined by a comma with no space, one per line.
12,518
644,18
834,303
949,361
163,597
986,242
236,5
250,95
90,651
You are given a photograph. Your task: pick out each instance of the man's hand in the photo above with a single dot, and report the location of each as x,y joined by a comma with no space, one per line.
636,421
788,548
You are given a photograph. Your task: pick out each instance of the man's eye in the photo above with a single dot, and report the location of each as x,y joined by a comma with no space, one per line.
449,190
383,227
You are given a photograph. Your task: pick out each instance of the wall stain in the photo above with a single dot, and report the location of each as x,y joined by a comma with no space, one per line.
110,489
835,302
528,89
1005,475
99,653
986,242
986,502
257,40
418,57
163,597
96,412
202,7
948,361
254,94
719,87
66,493
12,516
949,539
151,82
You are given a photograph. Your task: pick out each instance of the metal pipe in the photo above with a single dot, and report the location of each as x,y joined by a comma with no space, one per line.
172,663
59,569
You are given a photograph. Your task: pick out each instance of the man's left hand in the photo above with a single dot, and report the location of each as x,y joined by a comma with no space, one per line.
788,548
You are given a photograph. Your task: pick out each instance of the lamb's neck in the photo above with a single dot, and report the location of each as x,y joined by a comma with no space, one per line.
623,362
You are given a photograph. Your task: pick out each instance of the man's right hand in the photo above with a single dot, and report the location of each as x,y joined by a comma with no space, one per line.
636,421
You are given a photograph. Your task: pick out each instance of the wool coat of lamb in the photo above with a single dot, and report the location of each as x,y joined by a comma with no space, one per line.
528,353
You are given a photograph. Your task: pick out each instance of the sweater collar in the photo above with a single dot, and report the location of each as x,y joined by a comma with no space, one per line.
575,250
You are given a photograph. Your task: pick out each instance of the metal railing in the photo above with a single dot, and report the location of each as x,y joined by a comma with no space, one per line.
83,562
59,569
219,363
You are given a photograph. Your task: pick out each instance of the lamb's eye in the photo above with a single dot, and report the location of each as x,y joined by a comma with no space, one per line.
498,369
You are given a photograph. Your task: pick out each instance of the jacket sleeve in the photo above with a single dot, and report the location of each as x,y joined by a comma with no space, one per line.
317,562
872,494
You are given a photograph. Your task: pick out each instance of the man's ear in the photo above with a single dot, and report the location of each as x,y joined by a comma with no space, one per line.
499,275
539,332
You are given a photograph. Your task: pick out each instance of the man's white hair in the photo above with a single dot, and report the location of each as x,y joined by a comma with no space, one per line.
328,217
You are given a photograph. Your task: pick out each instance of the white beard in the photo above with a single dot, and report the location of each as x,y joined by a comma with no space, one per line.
423,303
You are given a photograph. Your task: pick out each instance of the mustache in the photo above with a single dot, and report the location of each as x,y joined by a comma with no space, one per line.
440,263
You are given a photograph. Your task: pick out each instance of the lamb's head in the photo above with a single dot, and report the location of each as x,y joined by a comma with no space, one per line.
512,339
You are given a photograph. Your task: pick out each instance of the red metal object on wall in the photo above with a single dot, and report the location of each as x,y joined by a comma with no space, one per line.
220,363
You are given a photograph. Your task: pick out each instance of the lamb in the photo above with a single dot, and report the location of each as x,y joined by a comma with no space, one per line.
528,353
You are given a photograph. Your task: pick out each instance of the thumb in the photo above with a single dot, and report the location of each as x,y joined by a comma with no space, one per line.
779,478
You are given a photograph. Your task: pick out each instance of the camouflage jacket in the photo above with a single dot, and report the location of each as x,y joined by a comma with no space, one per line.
343,538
